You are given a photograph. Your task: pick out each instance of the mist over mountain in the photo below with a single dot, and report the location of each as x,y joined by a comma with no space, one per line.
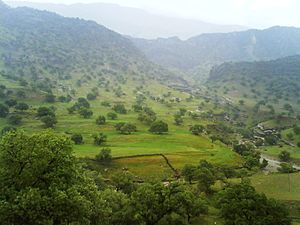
132,21
211,49
44,42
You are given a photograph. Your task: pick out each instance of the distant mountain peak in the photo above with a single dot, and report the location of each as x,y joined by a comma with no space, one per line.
3,5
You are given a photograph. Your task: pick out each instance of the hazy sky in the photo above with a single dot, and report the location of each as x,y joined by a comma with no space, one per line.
256,13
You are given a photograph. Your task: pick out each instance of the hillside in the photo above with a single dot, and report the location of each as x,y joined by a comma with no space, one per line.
56,62
212,49
131,21
275,83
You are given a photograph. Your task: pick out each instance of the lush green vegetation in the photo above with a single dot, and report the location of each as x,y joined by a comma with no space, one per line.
82,100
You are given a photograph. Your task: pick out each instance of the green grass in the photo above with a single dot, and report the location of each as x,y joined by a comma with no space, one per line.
275,150
179,145
278,186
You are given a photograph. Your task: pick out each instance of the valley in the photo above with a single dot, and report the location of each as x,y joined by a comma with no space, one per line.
200,114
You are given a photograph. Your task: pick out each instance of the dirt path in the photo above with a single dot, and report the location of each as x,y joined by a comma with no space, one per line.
274,164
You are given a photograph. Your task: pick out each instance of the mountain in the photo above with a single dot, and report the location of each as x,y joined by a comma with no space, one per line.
132,21
274,82
212,49
40,42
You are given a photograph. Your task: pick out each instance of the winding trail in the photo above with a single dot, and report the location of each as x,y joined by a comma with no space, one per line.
274,164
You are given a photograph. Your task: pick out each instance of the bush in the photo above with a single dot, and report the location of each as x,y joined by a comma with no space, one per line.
284,156
197,129
11,102
3,111
120,108
49,121
44,111
125,128
286,168
22,106
99,139
159,127
50,98
105,104
85,113
104,155
100,120
77,139
112,116
91,96
7,129
15,120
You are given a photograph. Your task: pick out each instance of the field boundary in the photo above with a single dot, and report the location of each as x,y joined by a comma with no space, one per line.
175,171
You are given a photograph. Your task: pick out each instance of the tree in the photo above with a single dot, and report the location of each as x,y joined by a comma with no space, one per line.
100,120
7,129
49,121
3,111
189,172
104,155
42,183
296,130
125,128
99,139
112,116
11,102
77,139
124,181
116,208
147,115
284,156
159,127
22,106
197,129
85,113
44,111
241,204
50,98
120,108
182,111
158,204
82,102
206,176
14,119
91,96
178,119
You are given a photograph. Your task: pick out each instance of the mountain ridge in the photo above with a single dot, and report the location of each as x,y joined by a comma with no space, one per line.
134,22
213,49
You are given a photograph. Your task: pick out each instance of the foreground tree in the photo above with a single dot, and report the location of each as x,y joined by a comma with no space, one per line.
241,204
159,204
41,182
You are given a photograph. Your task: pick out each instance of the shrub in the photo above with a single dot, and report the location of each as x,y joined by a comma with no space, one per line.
77,139
15,120
284,156
125,128
120,108
100,120
3,111
22,106
159,127
112,116
99,139
104,155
